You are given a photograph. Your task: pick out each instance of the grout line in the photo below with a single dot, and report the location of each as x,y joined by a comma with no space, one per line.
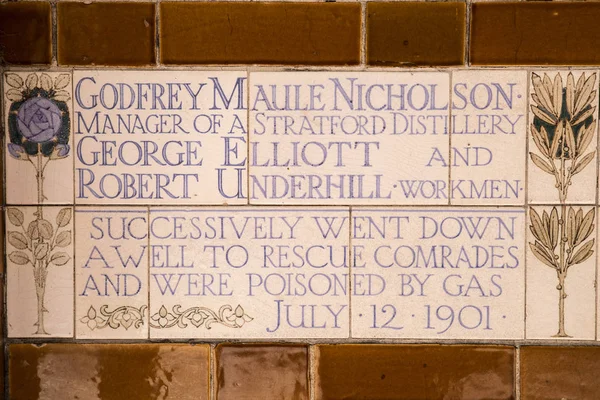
450,128
437,206
148,267
54,41
467,40
73,218
311,373
517,374
157,40
481,342
525,235
363,35
596,280
3,259
280,68
597,219
212,369
248,74
350,269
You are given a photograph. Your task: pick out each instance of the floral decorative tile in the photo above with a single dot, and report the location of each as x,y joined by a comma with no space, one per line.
111,273
561,272
39,271
38,120
563,137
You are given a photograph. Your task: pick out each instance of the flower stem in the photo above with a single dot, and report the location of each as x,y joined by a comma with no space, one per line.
40,180
561,272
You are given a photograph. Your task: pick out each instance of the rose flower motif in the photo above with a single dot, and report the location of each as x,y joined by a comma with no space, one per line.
39,119
39,124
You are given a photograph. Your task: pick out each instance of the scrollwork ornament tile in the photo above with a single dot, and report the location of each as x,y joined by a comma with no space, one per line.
39,248
38,119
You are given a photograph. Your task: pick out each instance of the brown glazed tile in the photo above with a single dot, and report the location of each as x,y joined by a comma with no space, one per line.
251,372
25,33
535,33
415,33
108,372
378,372
106,33
260,33
560,373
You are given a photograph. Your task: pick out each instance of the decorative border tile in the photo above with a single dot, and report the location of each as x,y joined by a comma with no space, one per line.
38,118
39,247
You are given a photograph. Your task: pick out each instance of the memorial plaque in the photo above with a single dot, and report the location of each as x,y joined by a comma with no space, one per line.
184,204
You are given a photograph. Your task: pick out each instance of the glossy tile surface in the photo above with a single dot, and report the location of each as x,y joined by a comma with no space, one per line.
160,137
348,138
111,273
112,33
559,372
239,272
532,33
437,273
101,372
26,34
488,154
370,372
288,33
262,372
415,33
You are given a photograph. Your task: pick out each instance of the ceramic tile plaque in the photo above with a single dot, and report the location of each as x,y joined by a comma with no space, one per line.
349,138
181,204
152,137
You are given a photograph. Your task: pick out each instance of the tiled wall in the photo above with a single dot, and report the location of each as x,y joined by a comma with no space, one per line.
514,43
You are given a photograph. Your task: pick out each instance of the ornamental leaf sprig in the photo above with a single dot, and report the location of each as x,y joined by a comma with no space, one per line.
563,129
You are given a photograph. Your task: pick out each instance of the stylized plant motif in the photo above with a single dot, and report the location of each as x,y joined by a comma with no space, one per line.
562,129
199,316
38,121
38,126
39,245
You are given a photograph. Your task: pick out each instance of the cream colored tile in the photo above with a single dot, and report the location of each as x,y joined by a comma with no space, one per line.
111,269
249,272
349,138
562,137
561,271
39,249
160,137
442,273
38,153
489,125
